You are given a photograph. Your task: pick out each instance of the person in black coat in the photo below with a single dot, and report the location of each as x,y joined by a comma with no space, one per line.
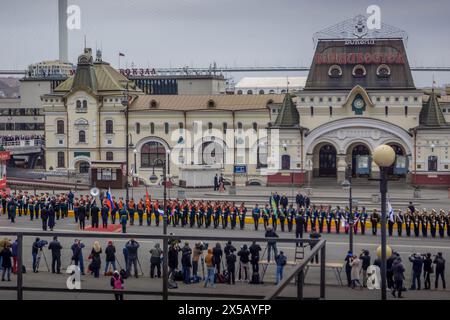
110,253
271,244
231,267
254,260
6,255
82,216
51,217
186,263
300,200
417,264
172,260
105,212
365,263
427,270
55,247
284,201
94,216
217,256
44,218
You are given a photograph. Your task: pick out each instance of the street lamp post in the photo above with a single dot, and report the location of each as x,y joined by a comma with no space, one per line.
154,178
135,162
384,157
347,184
125,103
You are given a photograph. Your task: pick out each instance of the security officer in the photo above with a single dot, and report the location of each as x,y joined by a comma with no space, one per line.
56,248
299,223
94,214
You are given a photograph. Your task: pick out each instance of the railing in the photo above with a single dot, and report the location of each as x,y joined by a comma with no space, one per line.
20,288
23,143
299,272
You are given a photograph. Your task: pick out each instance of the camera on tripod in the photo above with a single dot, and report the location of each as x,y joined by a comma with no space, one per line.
41,244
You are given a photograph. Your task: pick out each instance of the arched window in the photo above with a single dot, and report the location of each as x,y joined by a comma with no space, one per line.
166,127
255,126
60,127
210,126
225,127
82,136
239,92
249,92
285,162
432,163
386,111
151,151
152,128
78,104
61,162
109,126
138,128
359,71
239,125
261,156
261,91
84,104
271,91
109,156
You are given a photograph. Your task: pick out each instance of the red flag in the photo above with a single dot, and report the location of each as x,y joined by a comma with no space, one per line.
147,199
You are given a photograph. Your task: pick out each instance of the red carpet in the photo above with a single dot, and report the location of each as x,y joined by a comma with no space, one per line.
110,228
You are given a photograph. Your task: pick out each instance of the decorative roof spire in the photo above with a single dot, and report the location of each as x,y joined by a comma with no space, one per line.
288,116
431,114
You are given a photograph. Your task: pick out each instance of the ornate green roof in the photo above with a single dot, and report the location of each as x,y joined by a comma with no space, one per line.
288,115
97,76
431,114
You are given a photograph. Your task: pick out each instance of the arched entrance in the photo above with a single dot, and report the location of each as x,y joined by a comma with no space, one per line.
212,153
400,162
83,167
327,161
360,160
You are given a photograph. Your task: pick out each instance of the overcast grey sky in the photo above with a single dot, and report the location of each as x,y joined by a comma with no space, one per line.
162,33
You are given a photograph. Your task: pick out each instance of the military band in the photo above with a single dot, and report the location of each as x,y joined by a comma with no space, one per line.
210,214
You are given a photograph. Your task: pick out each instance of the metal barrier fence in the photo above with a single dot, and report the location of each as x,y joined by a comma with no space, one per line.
299,272
299,269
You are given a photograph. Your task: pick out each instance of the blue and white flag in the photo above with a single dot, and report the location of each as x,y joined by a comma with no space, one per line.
391,212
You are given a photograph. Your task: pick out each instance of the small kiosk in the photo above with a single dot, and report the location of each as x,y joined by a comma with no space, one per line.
108,174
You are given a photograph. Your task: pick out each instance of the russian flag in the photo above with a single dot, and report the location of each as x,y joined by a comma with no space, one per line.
110,202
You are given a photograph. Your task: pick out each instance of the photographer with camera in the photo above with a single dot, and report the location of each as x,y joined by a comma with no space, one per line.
77,254
132,248
417,264
37,246
186,262
439,261
196,256
427,270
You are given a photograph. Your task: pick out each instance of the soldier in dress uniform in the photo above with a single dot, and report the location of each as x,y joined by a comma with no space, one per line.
408,222
399,220
209,214
290,217
374,220
433,223
233,216
337,219
266,216
329,218
322,218
242,214
363,219
447,223
415,218
424,222
441,223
